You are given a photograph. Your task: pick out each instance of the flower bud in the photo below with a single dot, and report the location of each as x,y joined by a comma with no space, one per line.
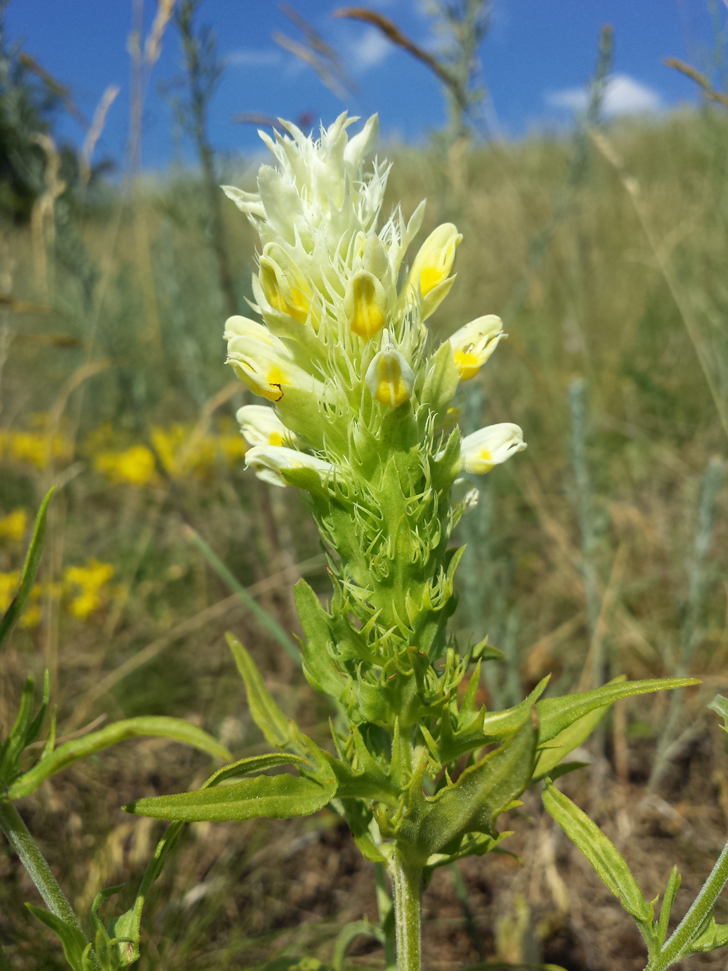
268,461
365,304
283,284
474,343
389,377
435,259
490,446
262,426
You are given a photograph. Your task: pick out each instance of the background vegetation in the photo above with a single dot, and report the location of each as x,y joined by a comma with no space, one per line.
601,550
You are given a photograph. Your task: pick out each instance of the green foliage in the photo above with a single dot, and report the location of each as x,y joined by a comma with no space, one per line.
54,761
697,932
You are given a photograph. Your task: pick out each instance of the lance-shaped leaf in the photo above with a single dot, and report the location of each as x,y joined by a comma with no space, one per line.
557,714
554,751
128,925
30,569
24,731
271,796
599,851
72,939
474,802
159,726
266,713
321,671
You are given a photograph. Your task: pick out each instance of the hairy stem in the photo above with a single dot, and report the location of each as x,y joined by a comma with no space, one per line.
689,926
35,863
407,887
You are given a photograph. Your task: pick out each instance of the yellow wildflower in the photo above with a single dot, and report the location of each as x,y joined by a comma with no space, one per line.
13,525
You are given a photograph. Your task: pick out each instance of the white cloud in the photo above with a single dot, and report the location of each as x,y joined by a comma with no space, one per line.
370,49
623,95
253,57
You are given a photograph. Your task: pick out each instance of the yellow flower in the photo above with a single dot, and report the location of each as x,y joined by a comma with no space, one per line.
269,461
134,465
389,377
261,426
262,360
474,343
365,304
490,446
430,273
13,525
283,284
87,585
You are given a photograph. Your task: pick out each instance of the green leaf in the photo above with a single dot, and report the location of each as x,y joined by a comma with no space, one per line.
565,742
255,763
12,747
673,885
599,851
30,570
275,797
127,925
474,802
441,381
72,939
321,671
98,900
358,928
79,748
557,714
266,713
484,727
719,705
270,796
712,937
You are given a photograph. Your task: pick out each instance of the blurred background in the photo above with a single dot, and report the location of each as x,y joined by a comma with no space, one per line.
582,150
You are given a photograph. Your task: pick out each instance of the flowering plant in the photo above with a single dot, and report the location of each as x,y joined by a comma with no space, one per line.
361,421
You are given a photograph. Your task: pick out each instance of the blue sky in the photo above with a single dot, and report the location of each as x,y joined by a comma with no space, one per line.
536,59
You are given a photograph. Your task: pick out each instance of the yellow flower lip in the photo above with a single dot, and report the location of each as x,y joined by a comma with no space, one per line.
490,446
365,304
284,286
270,461
434,262
260,425
389,377
474,343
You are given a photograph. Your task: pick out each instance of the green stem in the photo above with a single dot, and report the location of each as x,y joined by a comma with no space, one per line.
407,888
384,906
691,923
35,863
